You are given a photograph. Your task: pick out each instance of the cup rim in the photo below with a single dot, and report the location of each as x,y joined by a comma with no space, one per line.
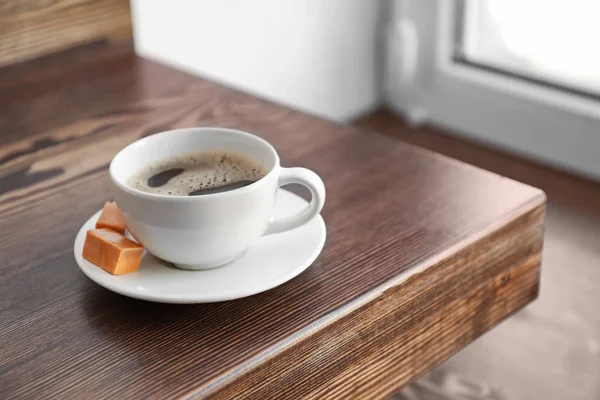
155,196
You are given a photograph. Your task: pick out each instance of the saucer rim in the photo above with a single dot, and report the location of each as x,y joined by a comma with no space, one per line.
196,298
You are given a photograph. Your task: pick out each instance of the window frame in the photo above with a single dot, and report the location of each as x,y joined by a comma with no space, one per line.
426,84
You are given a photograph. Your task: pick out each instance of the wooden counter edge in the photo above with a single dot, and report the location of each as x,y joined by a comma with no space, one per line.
395,333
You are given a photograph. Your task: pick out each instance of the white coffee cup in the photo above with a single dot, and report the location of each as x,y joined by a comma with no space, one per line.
199,232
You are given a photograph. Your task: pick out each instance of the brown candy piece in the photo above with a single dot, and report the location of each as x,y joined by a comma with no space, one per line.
112,251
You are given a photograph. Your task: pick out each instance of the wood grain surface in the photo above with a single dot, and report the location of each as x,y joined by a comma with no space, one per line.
519,359
562,187
32,28
423,254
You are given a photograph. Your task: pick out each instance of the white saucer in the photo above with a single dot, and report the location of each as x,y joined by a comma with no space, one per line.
274,260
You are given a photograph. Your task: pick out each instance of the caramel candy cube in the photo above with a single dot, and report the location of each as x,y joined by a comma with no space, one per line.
112,251
111,218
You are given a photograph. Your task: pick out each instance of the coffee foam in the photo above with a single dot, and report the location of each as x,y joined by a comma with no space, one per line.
201,171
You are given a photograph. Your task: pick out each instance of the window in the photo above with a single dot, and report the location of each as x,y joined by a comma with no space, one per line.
550,42
519,74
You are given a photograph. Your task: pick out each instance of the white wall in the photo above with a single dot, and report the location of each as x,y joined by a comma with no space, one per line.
319,56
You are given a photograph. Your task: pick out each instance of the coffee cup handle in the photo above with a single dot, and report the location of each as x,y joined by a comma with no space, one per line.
313,182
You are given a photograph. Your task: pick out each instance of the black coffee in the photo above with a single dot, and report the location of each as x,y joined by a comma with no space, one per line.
198,174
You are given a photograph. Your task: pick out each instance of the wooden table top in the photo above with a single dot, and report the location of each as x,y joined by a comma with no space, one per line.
423,253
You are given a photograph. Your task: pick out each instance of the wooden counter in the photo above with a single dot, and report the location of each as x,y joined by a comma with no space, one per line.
423,253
